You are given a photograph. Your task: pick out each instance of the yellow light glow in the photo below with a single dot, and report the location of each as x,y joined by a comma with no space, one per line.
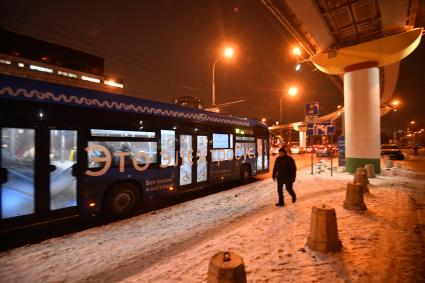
339,106
296,51
114,84
298,67
228,52
171,188
395,102
92,204
412,122
237,131
93,80
292,91
263,120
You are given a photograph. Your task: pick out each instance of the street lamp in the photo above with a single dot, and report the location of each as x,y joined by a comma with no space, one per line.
292,91
227,53
296,51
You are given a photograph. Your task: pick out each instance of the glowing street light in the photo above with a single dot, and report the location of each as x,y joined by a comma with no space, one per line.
412,122
297,67
395,103
263,120
292,91
296,51
227,53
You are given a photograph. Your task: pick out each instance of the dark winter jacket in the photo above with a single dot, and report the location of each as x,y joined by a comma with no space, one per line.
285,169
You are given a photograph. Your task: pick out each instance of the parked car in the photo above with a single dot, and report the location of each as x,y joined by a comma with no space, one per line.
296,149
274,149
393,151
310,149
324,150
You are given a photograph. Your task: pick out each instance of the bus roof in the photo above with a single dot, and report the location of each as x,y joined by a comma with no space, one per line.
12,87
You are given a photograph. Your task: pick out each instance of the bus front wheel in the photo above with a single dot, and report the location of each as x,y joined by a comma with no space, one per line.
122,199
245,174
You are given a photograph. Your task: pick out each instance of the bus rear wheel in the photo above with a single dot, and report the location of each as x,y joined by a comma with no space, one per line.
245,174
122,199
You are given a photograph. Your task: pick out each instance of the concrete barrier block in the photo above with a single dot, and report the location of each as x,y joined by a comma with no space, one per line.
361,178
323,235
354,197
226,267
362,170
370,170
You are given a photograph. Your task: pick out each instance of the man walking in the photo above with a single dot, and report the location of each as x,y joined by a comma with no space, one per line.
284,171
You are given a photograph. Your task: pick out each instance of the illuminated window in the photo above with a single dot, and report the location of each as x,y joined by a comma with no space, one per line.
7,62
66,74
117,133
149,148
94,80
168,147
242,148
21,65
41,69
220,141
114,84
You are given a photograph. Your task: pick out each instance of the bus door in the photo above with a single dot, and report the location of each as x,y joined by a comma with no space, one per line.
36,172
17,173
262,154
62,157
193,168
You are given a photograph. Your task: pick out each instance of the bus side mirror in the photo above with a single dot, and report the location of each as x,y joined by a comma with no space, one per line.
74,170
3,175
52,168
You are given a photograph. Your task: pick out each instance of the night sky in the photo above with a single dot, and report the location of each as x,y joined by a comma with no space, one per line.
166,49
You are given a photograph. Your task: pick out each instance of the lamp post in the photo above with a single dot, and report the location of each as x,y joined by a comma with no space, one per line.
228,53
292,91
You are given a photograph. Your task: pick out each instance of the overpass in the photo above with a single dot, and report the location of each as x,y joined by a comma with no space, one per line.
359,44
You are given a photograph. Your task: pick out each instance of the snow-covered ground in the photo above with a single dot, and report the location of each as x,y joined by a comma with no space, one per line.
174,244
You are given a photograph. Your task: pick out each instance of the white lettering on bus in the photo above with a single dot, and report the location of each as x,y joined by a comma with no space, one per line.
96,159
122,156
106,158
140,154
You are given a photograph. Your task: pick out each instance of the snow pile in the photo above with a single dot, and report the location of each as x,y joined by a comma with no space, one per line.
175,244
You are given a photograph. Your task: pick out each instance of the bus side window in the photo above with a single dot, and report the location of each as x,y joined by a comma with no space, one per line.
130,148
168,148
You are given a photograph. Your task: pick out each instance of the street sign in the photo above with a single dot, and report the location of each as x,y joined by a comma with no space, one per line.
320,129
341,151
311,111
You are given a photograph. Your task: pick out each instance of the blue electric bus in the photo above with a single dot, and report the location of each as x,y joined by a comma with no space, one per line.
67,150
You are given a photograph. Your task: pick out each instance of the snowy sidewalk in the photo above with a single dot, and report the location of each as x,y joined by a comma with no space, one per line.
175,244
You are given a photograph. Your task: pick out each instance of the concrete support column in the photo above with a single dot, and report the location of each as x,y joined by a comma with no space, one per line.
303,138
362,117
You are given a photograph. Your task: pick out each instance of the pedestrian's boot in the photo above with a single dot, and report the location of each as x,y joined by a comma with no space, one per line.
280,203
294,198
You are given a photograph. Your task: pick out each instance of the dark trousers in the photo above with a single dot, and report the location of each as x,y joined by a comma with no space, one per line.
288,187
